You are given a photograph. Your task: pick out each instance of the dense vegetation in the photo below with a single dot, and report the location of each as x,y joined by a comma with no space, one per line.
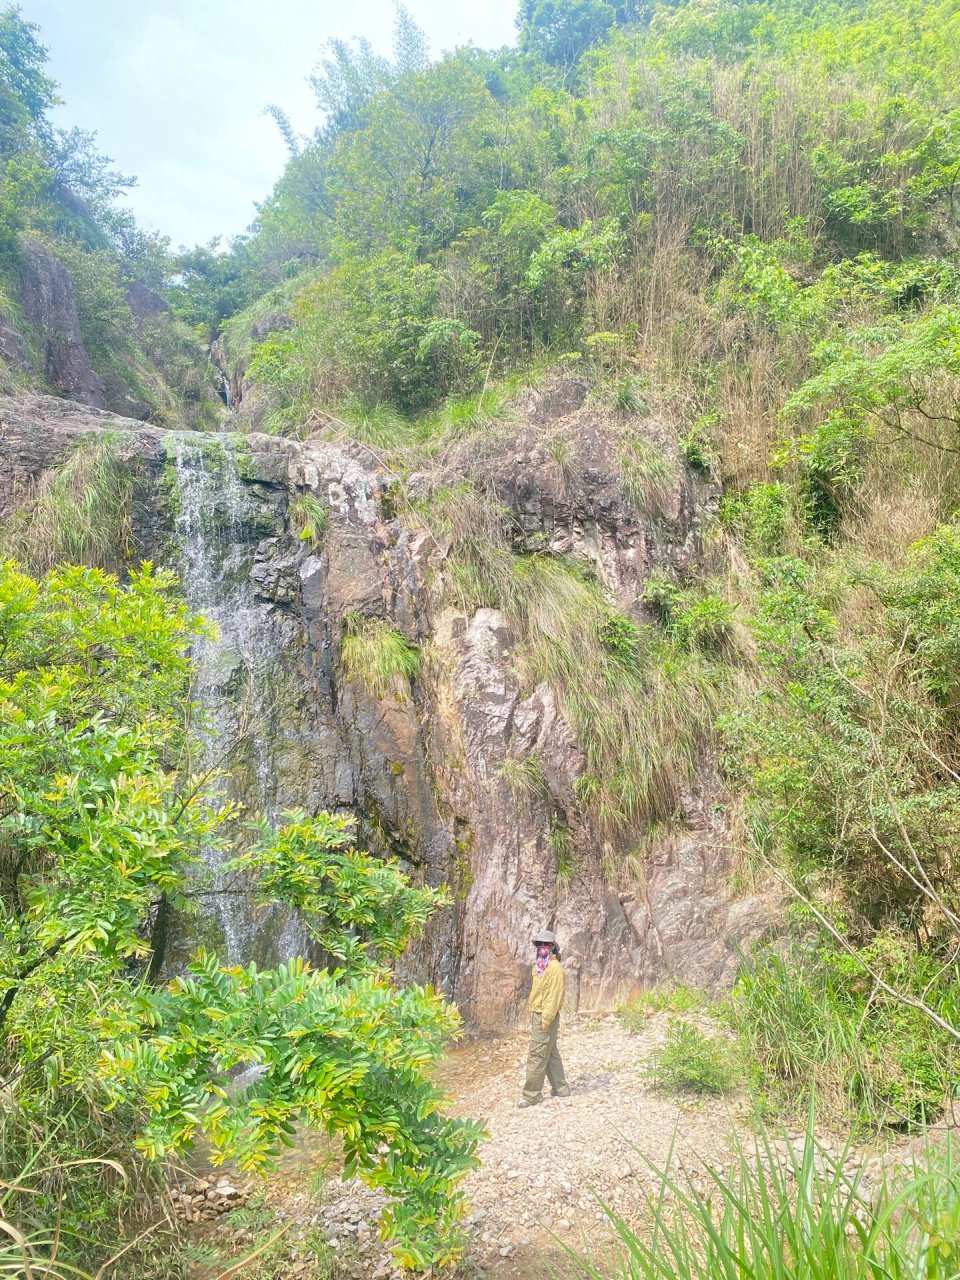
99,828
59,201
737,220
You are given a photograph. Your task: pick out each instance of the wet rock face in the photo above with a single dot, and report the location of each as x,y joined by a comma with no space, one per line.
49,305
423,770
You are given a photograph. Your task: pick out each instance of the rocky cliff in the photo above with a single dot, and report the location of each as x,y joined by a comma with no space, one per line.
98,337
422,762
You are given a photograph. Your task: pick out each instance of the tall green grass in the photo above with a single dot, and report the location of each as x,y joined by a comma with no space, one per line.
782,1213
79,513
641,706
378,657
63,1202
647,473
816,1023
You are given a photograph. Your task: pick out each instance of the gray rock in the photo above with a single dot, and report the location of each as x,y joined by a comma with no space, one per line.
422,770
49,305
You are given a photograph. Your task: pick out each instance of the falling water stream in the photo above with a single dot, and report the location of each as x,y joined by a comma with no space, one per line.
217,541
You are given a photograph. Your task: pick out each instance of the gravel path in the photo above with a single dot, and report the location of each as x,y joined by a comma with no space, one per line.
543,1170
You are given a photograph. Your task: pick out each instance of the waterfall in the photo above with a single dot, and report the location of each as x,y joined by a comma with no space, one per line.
218,525
215,356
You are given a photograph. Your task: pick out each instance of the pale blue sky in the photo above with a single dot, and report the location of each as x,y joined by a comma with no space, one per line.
175,88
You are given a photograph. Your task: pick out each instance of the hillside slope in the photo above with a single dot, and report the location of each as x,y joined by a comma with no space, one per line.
80,311
736,226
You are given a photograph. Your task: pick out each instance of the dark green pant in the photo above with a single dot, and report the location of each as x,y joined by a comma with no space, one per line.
544,1060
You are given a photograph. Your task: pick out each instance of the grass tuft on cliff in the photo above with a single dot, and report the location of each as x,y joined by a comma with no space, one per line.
378,657
80,512
641,703
309,518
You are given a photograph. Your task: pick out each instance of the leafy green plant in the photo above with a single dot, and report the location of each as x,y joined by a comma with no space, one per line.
697,447
100,830
691,1061
361,911
369,331
378,657
695,619
106,321
830,787
759,517
922,600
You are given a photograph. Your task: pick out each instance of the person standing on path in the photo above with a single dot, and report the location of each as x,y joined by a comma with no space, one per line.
546,997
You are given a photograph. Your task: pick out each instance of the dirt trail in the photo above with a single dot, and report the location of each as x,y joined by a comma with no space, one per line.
543,1168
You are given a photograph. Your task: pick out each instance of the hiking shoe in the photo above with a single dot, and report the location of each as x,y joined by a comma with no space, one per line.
562,1093
525,1102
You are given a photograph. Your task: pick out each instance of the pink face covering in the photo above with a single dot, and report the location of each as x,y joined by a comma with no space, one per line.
544,952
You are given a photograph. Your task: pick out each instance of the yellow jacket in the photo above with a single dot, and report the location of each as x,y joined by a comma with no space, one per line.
546,993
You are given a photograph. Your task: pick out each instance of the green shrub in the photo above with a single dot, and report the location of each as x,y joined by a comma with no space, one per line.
369,332
637,1012
842,751
924,606
23,181
106,321
697,447
691,1061
99,829
695,619
759,517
